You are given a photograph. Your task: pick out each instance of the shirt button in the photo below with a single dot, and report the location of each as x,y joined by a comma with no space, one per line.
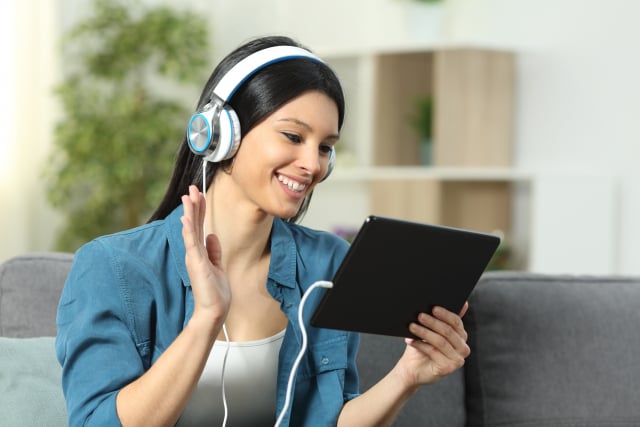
325,360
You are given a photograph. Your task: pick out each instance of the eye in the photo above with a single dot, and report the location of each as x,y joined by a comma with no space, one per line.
325,149
292,137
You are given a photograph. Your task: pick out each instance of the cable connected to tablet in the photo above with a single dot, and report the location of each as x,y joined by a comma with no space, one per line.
303,347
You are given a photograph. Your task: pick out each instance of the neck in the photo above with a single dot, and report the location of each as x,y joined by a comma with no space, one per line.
243,231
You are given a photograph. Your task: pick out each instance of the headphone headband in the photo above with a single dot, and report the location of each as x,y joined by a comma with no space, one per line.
214,132
234,78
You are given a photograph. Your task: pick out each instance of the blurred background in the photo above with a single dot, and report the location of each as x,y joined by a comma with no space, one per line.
511,116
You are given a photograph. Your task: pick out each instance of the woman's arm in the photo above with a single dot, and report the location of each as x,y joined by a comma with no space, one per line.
441,350
159,396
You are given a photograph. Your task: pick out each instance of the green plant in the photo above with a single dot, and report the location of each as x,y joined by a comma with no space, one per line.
422,119
126,73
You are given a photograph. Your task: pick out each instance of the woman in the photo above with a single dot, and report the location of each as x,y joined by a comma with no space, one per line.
145,313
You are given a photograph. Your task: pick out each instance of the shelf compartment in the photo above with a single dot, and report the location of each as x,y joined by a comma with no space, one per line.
473,92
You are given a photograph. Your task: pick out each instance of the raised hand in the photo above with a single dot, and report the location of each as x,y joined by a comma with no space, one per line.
209,283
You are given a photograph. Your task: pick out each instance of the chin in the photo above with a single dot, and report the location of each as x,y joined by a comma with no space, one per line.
286,212
287,215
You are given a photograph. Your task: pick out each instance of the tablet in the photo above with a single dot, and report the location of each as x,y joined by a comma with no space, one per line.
396,269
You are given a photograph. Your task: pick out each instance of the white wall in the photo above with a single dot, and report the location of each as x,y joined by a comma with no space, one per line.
12,228
27,111
576,115
576,123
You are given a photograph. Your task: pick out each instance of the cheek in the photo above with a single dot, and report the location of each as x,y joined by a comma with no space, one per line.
272,153
253,162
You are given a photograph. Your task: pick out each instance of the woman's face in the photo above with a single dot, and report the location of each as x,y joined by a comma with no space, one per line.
283,157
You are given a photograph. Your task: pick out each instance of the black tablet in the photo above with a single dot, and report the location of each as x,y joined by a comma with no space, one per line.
396,269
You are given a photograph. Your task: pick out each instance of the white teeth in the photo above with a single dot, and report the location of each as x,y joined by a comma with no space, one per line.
295,186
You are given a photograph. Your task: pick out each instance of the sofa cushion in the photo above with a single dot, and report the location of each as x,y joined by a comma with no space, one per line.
30,383
30,287
436,405
553,350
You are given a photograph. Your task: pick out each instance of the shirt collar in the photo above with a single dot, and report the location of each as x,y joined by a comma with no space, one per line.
176,244
282,267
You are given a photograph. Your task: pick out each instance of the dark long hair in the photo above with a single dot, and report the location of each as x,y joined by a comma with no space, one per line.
258,97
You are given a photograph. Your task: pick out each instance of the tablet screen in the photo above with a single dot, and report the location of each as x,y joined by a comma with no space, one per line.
396,269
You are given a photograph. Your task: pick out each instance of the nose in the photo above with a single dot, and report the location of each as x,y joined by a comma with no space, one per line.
311,161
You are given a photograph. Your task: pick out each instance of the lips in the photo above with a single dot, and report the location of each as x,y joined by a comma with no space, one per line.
291,184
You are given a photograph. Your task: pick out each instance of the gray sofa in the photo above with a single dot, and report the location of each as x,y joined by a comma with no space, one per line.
546,351
30,376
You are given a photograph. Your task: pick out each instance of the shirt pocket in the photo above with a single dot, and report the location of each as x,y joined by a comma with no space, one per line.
319,392
327,356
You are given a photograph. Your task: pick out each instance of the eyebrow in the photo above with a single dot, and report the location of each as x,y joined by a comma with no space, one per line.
306,126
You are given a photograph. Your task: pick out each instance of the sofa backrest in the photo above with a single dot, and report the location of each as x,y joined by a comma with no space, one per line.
553,350
30,287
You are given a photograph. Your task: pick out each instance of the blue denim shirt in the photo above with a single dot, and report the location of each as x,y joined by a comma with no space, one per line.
128,296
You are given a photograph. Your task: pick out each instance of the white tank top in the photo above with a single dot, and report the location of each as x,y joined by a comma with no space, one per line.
250,385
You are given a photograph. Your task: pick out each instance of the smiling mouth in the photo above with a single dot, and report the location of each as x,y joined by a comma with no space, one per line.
291,184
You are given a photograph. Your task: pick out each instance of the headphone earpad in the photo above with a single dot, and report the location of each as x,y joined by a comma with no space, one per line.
228,126
332,163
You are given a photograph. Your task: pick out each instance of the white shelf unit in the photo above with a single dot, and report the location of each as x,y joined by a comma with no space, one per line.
470,184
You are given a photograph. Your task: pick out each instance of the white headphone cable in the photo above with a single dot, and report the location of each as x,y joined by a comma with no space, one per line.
303,347
224,326
224,365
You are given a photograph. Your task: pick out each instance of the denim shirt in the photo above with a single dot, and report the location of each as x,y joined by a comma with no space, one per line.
128,296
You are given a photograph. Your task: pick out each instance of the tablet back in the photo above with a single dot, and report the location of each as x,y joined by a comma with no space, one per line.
396,269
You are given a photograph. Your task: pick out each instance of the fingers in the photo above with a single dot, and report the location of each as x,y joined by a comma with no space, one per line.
464,309
444,332
193,218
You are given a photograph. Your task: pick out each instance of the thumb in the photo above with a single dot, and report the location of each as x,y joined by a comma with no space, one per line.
214,251
464,309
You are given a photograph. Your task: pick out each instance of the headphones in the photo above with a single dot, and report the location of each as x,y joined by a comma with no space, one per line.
214,132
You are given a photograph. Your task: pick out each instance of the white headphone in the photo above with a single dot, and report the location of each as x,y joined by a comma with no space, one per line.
214,132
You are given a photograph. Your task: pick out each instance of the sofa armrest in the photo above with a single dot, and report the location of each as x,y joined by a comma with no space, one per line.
553,350
30,288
